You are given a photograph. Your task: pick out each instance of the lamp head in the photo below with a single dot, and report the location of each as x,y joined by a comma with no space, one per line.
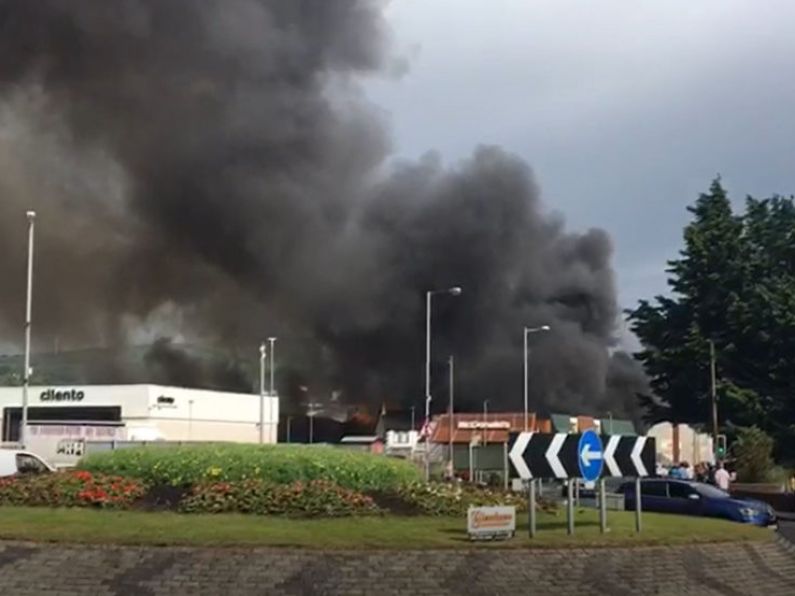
455,290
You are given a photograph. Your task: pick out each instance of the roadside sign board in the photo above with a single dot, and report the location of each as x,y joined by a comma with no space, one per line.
491,523
587,456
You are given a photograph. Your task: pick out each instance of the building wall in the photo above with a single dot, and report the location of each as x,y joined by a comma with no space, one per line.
170,413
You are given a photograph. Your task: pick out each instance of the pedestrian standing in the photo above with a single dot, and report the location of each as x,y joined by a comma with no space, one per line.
722,477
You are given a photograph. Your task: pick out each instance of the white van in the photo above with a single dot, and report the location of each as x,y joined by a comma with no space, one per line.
16,461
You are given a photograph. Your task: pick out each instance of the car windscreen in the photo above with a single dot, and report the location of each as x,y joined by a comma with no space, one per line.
712,492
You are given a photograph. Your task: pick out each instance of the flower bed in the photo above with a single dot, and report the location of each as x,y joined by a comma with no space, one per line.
277,464
311,499
71,489
453,499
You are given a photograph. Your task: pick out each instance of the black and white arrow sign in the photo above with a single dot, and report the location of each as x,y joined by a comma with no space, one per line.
543,455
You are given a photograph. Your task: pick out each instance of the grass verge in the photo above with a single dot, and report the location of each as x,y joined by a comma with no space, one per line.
41,524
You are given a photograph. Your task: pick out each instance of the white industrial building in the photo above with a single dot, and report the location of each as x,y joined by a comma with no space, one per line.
60,417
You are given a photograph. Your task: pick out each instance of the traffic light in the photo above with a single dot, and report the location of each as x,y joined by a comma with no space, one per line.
720,447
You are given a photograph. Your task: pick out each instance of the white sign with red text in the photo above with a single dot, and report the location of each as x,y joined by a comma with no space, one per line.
490,523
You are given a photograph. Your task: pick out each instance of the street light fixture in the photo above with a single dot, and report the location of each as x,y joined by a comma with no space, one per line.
23,435
453,291
528,331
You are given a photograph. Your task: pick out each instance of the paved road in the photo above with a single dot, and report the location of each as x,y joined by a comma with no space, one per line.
766,568
787,529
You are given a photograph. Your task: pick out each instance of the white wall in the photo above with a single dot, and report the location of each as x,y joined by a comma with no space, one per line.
194,414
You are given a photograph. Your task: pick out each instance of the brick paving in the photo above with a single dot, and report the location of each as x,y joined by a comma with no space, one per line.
735,569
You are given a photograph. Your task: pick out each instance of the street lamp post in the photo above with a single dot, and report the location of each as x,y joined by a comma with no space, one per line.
23,435
485,422
452,428
262,354
528,331
454,291
272,393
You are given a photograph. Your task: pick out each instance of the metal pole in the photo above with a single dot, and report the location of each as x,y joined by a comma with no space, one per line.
427,383
272,424
531,506
505,464
23,434
714,393
262,352
637,505
602,506
525,380
311,429
570,507
471,464
190,419
289,421
452,427
485,420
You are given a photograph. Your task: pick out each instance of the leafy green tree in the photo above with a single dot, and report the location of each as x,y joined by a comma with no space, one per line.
753,455
734,284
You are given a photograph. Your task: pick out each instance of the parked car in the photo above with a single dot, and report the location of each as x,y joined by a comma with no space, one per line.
15,461
686,497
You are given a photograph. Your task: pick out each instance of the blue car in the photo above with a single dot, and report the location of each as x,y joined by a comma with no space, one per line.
684,497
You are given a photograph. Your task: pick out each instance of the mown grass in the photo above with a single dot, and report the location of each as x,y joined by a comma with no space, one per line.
387,532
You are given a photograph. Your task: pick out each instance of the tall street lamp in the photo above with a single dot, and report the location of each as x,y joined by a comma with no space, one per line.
528,331
23,434
454,291
263,351
272,393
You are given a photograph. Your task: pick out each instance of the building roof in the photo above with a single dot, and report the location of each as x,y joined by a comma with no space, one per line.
495,427
360,439
617,426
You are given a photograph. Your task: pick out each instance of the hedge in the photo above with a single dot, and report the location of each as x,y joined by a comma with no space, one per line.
278,464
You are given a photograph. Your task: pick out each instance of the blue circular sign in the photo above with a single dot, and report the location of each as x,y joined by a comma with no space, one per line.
590,456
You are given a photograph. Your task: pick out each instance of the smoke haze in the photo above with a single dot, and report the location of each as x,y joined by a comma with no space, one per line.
210,171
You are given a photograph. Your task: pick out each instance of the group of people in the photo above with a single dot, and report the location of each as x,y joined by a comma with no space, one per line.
702,472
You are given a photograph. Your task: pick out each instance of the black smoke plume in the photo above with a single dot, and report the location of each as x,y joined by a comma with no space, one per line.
210,171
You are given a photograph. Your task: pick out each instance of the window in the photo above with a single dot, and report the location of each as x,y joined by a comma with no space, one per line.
29,464
653,489
679,490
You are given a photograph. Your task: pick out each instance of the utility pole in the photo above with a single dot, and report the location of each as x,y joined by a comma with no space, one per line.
273,432
412,417
23,430
262,356
714,394
451,363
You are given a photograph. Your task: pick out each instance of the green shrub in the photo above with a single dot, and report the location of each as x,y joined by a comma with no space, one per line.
278,464
310,499
71,489
454,500
753,451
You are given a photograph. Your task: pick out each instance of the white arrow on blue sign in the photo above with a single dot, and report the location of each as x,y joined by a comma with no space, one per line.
590,456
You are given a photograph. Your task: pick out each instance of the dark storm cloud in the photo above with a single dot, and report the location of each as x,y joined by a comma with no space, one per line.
209,168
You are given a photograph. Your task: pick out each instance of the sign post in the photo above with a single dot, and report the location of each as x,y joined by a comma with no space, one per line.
637,505
570,506
602,506
533,456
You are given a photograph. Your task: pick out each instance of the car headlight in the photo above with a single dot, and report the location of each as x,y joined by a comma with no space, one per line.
748,512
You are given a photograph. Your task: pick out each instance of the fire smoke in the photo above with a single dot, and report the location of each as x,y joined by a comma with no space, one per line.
211,171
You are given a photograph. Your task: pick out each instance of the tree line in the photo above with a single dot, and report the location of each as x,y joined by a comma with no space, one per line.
733,284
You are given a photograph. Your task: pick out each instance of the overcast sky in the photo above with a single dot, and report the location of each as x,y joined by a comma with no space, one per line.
625,109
